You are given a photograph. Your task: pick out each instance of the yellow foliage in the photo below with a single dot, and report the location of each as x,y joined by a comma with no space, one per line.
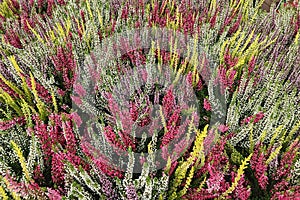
3,193
168,166
5,9
20,71
245,11
173,53
240,4
11,85
19,153
163,121
161,197
15,64
254,47
7,99
100,18
240,172
180,173
178,19
242,37
275,135
234,37
188,182
263,136
292,132
198,146
297,38
271,42
27,113
150,147
35,33
246,43
54,102
273,154
213,5
89,9
40,105
257,8
159,56
201,185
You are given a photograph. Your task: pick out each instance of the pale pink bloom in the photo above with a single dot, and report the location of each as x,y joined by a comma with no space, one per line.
223,128
79,90
77,100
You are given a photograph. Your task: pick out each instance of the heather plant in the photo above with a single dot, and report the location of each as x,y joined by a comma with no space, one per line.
93,106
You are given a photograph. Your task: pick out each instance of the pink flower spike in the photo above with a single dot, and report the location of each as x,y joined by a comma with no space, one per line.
168,102
76,118
53,194
189,79
199,85
206,105
61,2
223,128
258,116
5,125
142,160
61,92
79,90
76,100
251,65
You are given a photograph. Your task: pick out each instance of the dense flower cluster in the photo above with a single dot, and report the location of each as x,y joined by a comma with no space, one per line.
75,125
